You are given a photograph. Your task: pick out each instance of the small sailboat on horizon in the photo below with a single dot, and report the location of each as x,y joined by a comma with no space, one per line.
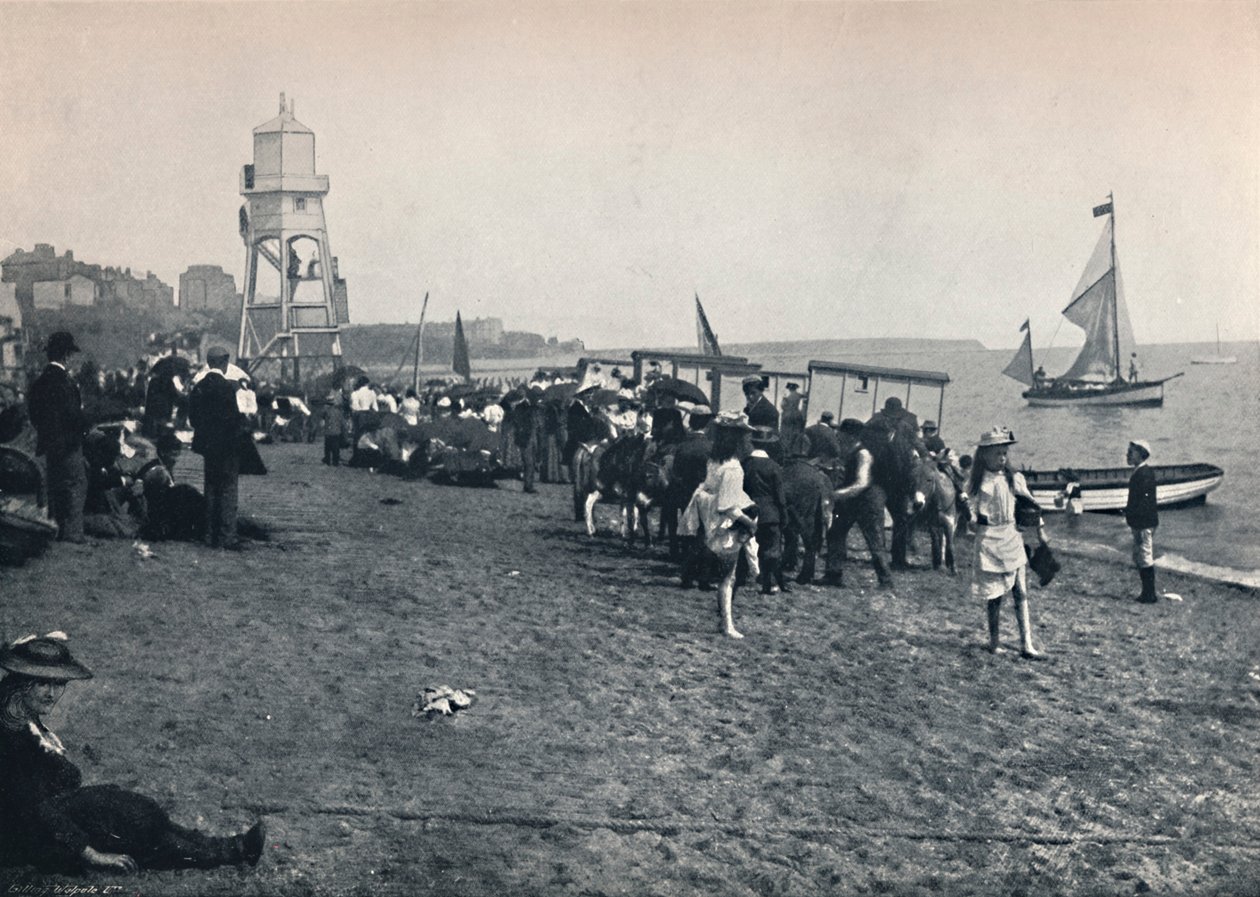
1098,308
1218,358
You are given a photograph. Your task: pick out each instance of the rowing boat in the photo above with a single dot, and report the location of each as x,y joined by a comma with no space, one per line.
1107,488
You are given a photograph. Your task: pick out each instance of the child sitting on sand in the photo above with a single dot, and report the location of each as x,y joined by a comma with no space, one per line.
1000,564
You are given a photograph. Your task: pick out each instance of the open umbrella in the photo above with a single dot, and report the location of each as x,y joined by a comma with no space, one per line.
597,397
681,390
459,390
171,366
559,392
334,380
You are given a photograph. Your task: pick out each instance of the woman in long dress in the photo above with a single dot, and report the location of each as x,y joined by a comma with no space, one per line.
717,509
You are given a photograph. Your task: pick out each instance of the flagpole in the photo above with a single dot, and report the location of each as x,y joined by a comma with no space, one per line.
1115,286
415,377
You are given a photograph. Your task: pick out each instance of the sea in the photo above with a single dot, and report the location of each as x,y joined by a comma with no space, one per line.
1210,414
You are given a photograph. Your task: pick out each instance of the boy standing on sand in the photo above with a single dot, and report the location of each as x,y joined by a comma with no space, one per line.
1142,516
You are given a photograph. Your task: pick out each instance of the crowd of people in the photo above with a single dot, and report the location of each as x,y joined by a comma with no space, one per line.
742,485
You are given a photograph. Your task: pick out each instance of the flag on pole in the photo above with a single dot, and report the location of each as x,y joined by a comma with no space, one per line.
1024,326
459,357
1104,209
704,333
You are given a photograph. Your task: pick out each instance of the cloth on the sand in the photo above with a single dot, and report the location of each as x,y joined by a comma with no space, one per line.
442,700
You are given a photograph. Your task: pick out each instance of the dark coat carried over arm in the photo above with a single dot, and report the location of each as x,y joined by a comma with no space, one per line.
763,483
55,407
217,421
1141,512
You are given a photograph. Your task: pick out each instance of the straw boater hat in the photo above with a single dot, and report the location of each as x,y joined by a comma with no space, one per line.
996,436
736,420
1141,444
764,435
753,380
43,657
930,425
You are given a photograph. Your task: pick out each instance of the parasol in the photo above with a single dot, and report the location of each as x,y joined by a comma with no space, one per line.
559,392
680,389
170,366
598,397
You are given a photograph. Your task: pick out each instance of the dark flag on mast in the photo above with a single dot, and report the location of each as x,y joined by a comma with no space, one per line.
459,360
704,333
1104,209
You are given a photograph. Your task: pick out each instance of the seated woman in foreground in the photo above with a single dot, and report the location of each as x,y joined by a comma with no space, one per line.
48,819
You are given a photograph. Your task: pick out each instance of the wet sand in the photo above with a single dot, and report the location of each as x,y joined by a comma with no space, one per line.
856,742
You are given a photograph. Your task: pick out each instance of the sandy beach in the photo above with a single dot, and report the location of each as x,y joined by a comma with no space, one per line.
856,742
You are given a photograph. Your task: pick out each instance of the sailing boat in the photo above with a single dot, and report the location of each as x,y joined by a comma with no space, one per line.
1218,358
1097,307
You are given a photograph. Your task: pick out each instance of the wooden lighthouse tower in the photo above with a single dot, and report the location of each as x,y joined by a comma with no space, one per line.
297,310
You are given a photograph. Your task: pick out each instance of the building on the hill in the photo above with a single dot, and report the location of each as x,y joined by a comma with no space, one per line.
12,343
111,285
208,288
121,287
479,332
73,290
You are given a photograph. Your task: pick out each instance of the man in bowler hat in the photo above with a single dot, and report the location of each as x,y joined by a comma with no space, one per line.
56,411
218,425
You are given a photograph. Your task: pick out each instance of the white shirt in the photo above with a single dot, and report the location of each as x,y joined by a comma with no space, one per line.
363,399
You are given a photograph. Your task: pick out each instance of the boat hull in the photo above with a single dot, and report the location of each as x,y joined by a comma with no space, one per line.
1150,394
1218,359
1107,489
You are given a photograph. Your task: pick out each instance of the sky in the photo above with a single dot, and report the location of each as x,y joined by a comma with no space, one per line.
817,170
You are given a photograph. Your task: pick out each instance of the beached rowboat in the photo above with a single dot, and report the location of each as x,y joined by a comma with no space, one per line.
1107,488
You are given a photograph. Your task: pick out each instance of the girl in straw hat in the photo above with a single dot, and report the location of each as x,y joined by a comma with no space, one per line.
1000,563
718,509
49,819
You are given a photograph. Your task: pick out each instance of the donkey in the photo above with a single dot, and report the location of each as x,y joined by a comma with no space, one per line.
935,502
622,471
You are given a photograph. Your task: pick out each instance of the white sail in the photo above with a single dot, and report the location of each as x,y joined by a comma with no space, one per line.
1021,366
1097,307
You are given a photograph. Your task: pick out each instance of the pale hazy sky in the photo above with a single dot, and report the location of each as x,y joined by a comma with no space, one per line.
812,170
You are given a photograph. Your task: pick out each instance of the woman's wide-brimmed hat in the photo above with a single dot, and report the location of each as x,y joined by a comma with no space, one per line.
736,420
43,657
996,436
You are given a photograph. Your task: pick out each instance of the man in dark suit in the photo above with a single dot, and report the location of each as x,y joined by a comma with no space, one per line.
686,474
763,483
823,442
56,411
218,425
1142,514
526,431
760,410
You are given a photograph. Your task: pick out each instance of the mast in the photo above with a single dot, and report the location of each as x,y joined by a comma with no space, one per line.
415,376
1115,288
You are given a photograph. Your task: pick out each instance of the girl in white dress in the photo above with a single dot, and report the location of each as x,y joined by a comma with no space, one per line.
718,505
1000,563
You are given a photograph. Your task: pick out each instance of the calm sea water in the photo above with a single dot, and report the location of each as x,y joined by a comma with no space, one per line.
1210,414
